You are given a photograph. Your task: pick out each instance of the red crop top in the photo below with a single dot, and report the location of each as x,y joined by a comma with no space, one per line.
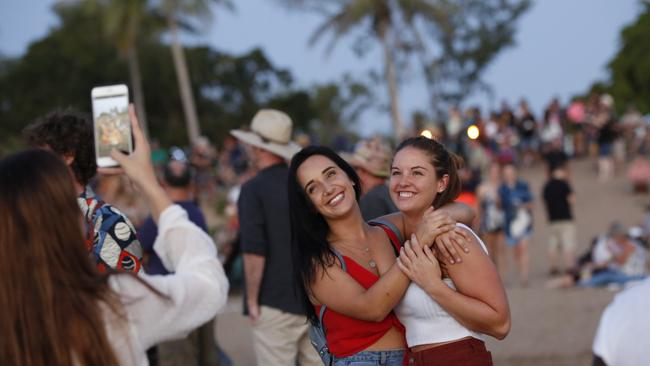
347,336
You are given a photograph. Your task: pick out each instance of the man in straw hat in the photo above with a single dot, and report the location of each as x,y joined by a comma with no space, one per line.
371,160
280,331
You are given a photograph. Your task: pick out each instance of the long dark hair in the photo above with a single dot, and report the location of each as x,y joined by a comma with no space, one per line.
443,161
309,230
51,295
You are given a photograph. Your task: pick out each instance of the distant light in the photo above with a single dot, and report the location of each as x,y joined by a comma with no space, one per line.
473,132
427,134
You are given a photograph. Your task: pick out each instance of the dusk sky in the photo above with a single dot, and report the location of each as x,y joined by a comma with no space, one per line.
562,46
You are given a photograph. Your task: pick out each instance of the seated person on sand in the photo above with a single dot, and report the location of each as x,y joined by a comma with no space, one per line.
614,258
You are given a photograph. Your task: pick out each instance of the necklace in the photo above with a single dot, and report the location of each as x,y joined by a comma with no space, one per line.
365,251
371,262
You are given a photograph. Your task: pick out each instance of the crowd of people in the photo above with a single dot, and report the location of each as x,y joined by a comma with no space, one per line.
395,255
508,140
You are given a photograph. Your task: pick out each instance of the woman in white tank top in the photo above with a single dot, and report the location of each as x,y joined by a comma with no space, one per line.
447,308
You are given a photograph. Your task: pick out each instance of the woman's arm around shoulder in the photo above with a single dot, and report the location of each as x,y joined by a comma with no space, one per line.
460,212
342,293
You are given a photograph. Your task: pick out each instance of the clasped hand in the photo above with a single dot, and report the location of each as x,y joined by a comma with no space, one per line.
419,264
438,227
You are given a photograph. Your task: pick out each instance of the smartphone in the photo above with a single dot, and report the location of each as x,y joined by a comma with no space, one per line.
111,122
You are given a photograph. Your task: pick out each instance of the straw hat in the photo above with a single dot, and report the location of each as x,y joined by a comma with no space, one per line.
372,156
271,131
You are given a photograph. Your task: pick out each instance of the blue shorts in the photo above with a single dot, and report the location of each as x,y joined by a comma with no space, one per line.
528,143
514,241
605,149
372,358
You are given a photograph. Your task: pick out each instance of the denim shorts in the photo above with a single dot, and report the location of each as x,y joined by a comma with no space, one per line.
605,149
372,358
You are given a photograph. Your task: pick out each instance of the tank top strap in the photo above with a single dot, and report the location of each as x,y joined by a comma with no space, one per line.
392,231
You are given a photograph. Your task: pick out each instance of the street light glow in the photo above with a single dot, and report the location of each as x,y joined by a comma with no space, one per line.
473,132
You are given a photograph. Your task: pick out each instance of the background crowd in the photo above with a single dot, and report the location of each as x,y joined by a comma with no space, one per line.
505,142
221,177
494,147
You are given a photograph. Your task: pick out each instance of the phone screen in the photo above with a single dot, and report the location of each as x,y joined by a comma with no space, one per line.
112,125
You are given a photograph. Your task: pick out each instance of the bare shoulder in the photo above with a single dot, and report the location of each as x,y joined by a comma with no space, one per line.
476,247
475,276
331,267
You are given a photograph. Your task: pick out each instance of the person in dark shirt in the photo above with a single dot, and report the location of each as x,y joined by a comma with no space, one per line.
527,129
371,161
177,179
280,328
177,182
559,199
608,132
555,157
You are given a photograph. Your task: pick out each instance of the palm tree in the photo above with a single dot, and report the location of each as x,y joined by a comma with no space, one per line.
122,22
175,11
380,14
454,40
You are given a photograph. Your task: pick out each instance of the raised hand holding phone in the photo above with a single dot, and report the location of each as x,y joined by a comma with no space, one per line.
111,122
138,167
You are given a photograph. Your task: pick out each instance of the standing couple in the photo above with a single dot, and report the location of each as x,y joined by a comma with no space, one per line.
443,299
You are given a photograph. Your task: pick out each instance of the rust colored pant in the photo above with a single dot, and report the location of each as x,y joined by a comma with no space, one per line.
466,352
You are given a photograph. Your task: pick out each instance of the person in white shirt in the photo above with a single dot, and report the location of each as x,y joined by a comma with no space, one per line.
56,308
447,308
622,335
617,260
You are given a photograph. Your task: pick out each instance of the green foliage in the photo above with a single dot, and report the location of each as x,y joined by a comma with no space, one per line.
123,21
470,34
230,89
630,68
59,70
190,15
451,41
339,106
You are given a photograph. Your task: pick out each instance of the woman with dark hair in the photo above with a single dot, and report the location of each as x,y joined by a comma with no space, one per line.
56,308
361,290
447,308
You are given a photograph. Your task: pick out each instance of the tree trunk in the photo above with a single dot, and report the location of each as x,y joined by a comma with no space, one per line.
136,85
182,74
428,74
391,81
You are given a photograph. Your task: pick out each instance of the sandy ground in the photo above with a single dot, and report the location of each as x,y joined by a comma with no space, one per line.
549,327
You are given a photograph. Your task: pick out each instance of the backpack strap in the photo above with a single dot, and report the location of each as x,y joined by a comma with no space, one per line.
321,315
340,258
392,231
